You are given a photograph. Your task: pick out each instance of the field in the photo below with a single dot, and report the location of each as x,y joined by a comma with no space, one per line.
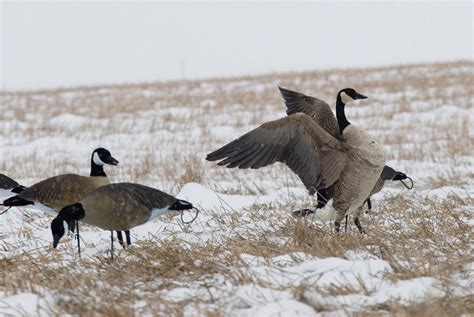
246,255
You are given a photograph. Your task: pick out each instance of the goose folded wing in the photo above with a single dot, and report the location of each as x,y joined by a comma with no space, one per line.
6,182
317,109
144,195
59,191
297,141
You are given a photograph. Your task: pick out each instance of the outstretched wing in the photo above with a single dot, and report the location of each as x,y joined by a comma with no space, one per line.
317,109
298,141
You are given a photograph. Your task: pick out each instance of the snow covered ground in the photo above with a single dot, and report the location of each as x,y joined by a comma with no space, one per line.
245,255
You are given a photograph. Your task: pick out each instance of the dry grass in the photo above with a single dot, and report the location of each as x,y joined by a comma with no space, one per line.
419,235
435,243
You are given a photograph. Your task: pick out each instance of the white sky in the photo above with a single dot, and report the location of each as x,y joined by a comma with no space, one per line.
54,44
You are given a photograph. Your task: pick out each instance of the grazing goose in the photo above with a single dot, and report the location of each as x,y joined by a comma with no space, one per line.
8,186
53,193
388,175
119,207
351,161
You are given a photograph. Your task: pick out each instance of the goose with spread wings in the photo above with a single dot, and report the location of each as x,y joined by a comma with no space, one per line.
321,154
321,112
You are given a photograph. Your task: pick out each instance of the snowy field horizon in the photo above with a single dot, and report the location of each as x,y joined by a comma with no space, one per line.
245,255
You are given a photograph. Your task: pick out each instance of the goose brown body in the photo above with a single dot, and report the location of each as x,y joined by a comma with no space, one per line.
53,193
123,206
59,191
118,207
358,178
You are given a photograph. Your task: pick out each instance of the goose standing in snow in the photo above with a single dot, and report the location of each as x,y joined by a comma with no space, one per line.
321,154
119,207
388,175
321,112
52,194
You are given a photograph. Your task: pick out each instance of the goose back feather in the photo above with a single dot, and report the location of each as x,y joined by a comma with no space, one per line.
59,191
317,109
122,206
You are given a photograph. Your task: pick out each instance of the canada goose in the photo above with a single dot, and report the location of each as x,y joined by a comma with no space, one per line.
9,186
351,161
321,112
388,175
119,207
53,193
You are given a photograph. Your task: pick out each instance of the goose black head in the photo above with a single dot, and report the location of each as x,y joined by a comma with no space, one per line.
102,156
65,220
399,176
389,174
347,95
99,158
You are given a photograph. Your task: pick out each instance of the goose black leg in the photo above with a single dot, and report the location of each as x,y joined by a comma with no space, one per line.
111,245
120,238
322,195
78,238
127,235
359,226
369,204
302,212
345,224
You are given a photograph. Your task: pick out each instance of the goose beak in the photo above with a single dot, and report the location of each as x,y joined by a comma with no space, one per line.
56,238
111,161
360,96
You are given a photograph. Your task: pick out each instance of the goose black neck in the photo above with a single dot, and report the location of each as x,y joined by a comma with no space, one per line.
97,170
340,114
60,217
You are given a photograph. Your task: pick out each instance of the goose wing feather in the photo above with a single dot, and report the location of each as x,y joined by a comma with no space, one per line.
317,109
6,182
59,191
297,141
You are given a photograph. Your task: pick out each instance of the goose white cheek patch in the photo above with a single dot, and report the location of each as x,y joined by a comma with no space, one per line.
345,97
97,159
